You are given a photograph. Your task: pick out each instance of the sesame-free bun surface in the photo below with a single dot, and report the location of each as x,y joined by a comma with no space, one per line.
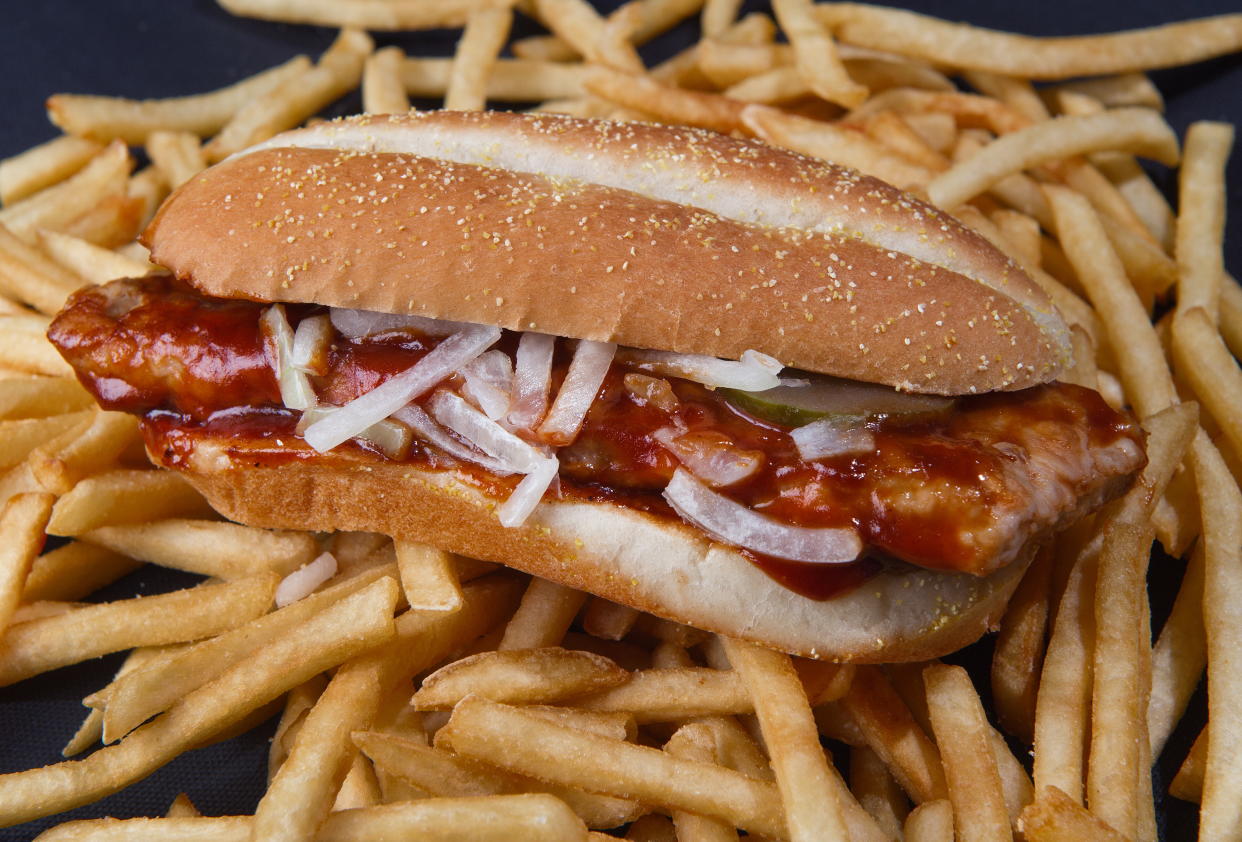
651,563
649,236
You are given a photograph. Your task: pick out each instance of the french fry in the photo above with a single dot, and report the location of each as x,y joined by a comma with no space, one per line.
125,496
877,791
149,187
1137,130
1118,91
90,734
383,91
544,616
668,695
178,155
297,704
21,538
182,807
961,728
931,821
296,97
894,132
212,548
696,742
1019,652
1018,94
581,26
73,571
1187,784
26,347
57,206
823,140
968,110
1179,656
59,467
891,731
485,34
507,737
962,45
29,276
89,261
108,118
53,642
44,165
360,787
781,84
518,676
387,15
718,16
695,108
513,80
428,577
1055,817
332,637
816,54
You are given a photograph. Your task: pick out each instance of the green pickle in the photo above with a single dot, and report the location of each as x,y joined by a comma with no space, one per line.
848,401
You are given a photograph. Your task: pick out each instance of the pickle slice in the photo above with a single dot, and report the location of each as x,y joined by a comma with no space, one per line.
850,401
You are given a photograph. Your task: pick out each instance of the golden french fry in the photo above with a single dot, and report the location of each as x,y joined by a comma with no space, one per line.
360,787
21,537
90,734
94,630
298,702
974,784
388,15
813,794
1021,231
577,22
73,571
877,791
1018,94
719,16
1055,817
781,84
544,616
696,742
508,818
895,132
1019,652
816,54
115,220
26,348
519,676
1136,130
44,165
212,548
665,695
968,110
89,261
1179,656
57,206
608,620
59,467
382,89
962,45
507,737
354,625
674,105
149,187
485,34
30,276
296,97
125,496
1119,91
931,821
513,80
428,577
177,154
106,118
1188,782
182,807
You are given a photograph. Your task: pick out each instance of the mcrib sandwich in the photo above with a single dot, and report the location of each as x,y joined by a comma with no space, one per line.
733,386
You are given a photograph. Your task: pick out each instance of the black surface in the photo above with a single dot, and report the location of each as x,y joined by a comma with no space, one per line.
156,48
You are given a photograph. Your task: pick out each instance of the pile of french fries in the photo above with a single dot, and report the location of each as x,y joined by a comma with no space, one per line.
423,695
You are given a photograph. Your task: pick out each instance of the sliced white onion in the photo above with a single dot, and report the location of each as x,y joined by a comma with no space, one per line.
532,379
311,341
735,524
392,438
357,324
489,383
830,437
429,431
754,372
302,582
586,374
476,428
295,387
524,499
715,462
445,359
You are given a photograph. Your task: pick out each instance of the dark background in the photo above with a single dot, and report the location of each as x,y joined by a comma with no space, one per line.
158,48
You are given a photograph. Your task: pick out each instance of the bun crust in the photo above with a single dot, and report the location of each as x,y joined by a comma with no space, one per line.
621,554
648,236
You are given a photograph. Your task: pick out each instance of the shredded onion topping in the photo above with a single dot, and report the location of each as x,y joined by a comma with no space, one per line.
754,372
532,379
427,429
311,342
356,324
712,458
446,358
484,433
302,582
295,387
489,383
736,524
831,437
524,499
390,437
586,374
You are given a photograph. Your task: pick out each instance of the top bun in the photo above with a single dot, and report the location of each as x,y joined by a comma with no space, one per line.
650,236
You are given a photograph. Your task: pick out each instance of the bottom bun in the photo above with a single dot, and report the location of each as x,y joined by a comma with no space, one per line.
648,562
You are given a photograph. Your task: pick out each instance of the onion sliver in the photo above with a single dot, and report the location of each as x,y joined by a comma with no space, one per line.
586,374
830,437
310,344
476,428
515,510
715,461
303,581
489,383
532,379
429,431
735,524
754,372
392,438
295,387
445,359
355,324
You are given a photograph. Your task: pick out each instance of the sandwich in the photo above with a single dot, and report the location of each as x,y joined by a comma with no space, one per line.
735,387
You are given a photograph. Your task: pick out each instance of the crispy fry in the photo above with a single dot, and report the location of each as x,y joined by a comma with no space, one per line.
1188,782
428,577
298,703
1055,817
1019,652
1018,94
877,791
486,30
519,676
961,728
89,261
544,616
577,22
73,571
608,620
816,54
696,742
26,347
57,206
383,91
360,787
178,155
930,822
513,80
44,165
962,45
60,466
695,108
21,538
1179,656
19,437
661,695
387,15
227,550
182,807
29,276
1119,91
125,496
718,16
